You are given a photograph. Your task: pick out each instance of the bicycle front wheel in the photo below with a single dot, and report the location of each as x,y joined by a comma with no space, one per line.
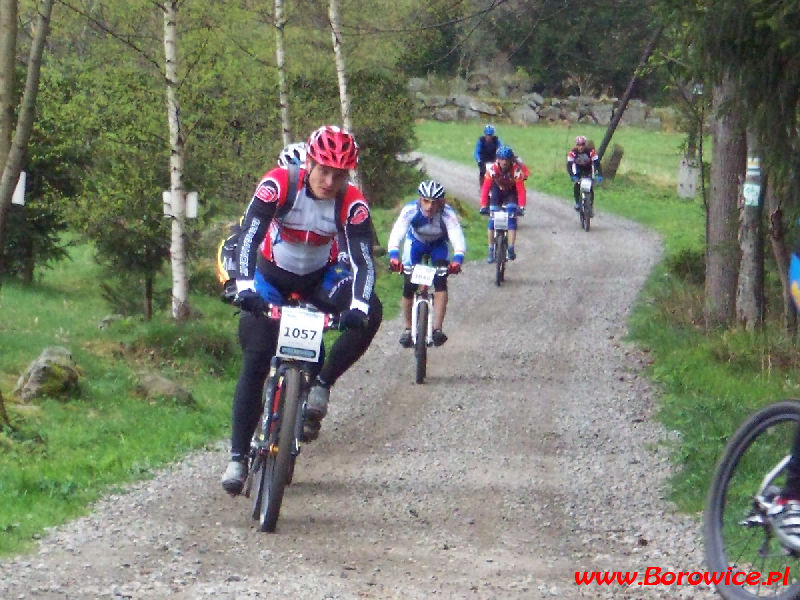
500,249
586,211
279,465
421,345
737,534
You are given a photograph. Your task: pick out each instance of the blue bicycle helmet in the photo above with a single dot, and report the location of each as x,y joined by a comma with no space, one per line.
431,189
488,130
505,152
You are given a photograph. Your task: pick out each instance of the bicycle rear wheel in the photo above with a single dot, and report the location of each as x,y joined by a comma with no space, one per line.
421,346
278,466
736,532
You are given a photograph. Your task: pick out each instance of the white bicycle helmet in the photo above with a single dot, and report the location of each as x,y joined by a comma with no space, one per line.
431,189
293,154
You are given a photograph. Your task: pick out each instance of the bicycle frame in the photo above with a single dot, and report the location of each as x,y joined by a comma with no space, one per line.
500,220
423,295
281,363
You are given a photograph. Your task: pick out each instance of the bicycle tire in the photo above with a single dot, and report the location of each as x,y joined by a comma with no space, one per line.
585,212
730,535
499,259
278,476
504,254
258,477
421,345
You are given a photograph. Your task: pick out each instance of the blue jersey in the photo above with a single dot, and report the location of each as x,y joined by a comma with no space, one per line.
486,150
412,225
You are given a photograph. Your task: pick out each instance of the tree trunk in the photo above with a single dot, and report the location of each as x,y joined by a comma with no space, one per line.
612,164
750,291
777,237
722,248
180,283
283,87
8,54
612,126
341,71
3,414
19,144
148,297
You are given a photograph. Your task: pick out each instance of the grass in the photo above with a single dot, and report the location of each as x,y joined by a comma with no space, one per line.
62,455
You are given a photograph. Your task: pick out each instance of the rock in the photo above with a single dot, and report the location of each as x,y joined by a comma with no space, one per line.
54,373
156,386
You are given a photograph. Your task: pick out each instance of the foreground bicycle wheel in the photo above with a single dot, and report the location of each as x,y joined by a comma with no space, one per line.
421,345
500,249
278,467
258,479
586,211
736,531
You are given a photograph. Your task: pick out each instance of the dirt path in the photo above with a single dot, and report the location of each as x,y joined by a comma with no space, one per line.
530,453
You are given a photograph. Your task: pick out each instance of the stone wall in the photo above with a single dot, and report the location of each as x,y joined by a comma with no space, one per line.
524,107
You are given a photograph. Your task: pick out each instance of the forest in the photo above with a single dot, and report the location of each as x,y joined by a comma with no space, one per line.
106,105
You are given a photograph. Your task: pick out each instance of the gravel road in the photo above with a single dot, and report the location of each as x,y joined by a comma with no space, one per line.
530,453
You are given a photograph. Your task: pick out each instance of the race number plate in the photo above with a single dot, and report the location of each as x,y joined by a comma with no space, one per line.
300,335
500,219
423,274
586,184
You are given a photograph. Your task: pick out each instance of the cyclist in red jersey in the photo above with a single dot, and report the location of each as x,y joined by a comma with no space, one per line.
284,248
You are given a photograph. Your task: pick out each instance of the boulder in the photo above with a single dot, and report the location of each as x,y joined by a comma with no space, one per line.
53,374
524,115
155,386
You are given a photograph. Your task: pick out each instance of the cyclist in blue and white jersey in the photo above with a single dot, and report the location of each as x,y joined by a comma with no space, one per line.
427,224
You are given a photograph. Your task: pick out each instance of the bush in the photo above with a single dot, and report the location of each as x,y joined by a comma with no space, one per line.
688,265
383,124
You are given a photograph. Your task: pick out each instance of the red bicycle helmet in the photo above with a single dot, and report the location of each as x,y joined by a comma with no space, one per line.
333,147
580,140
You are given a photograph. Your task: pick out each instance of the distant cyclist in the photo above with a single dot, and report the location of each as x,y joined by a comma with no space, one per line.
582,161
486,151
427,224
504,187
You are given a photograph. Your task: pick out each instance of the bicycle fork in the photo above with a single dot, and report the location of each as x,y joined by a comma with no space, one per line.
415,318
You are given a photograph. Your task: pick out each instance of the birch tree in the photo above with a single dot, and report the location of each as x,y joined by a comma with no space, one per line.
334,15
177,193
341,71
283,86
14,148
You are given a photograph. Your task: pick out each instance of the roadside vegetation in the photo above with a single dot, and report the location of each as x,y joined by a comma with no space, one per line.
60,455
710,381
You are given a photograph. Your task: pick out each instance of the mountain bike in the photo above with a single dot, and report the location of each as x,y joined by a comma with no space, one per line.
422,313
278,437
500,218
586,205
738,528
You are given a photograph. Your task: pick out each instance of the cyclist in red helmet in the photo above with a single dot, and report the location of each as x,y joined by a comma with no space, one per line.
582,161
284,248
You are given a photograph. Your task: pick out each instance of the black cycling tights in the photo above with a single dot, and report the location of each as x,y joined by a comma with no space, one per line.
257,337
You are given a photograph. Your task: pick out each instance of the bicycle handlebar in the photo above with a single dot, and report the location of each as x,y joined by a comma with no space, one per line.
408,268
274,311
